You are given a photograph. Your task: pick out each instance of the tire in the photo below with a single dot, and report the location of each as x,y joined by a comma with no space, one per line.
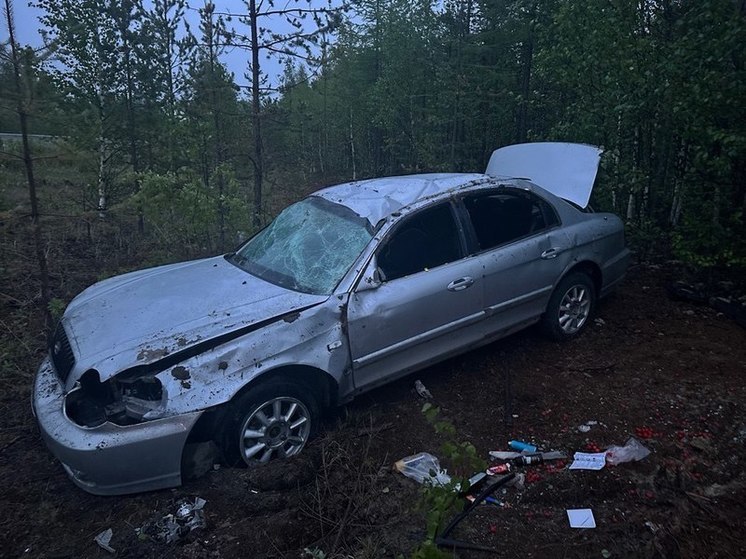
570,307
272,420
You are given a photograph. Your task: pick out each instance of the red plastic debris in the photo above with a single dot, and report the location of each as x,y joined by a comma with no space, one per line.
592,446
532,476
644,432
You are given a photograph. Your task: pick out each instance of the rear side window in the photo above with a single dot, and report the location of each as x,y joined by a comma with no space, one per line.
425,240
500,217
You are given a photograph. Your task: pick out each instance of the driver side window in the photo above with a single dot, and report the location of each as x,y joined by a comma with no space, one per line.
425,240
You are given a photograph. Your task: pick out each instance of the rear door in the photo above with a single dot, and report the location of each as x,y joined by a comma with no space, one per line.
521,251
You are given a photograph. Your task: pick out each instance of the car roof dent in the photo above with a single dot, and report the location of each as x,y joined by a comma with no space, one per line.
565,169
377,199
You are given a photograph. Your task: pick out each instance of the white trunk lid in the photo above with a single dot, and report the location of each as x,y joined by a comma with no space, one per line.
564,169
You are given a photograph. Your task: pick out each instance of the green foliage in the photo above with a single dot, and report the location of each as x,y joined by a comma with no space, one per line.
56,308
184,211
645,238
707,243
313,553
440,502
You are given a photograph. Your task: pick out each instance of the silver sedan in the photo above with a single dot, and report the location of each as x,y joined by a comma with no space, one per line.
354,286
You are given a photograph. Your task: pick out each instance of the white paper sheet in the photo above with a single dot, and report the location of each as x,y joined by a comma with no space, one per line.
588,461
581,518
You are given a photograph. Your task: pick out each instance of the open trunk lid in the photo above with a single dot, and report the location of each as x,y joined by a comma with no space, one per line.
566,170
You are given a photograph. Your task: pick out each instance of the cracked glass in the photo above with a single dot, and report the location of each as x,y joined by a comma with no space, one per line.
308,247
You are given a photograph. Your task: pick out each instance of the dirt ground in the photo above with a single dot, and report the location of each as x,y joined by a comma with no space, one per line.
669,372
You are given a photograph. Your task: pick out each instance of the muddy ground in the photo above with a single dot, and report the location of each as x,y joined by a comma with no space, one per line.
667,371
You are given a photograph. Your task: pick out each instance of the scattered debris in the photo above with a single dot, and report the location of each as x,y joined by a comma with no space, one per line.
172,527
503,455
444,538
644,432
588,461
532,476
423,468
585,427
633,450
599,321
521,446
593,446
476,480
104,539
518,481
503,468
581,518
422,391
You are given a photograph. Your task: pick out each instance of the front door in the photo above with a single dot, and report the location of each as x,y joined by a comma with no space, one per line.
427,305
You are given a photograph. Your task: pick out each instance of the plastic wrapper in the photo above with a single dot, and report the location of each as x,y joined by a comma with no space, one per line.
632,451
423,468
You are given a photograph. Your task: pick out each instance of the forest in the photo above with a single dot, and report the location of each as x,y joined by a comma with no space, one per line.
152,128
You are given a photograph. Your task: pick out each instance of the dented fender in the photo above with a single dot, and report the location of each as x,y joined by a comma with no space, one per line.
312,338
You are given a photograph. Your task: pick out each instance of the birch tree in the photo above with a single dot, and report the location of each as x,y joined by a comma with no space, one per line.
87,49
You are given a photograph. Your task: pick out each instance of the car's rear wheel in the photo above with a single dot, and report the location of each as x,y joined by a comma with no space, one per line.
570,307
272,420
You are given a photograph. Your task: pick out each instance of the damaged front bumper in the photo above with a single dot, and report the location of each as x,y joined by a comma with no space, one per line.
110,459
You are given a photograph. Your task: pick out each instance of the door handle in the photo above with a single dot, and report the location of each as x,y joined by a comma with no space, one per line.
461,284
551,253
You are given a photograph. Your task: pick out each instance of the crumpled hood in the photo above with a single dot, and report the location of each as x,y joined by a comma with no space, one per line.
140,317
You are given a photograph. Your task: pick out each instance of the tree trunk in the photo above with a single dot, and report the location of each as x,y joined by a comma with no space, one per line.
527,56
28,162
101,186
255,120
217,142
352,150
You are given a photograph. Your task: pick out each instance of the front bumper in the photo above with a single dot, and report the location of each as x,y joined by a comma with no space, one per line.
110,459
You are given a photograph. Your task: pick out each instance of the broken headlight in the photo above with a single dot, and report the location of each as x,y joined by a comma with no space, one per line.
123,400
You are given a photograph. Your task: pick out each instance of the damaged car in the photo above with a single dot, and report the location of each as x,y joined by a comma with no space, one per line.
347,289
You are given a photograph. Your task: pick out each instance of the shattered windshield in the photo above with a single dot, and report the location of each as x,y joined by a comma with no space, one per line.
308,247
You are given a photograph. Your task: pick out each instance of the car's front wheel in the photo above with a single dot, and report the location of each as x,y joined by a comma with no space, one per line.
271,420
570,307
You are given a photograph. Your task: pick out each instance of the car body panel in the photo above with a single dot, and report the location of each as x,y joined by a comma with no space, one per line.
313,338
100,460
156,313
517,281
414,318
567,170
378,199
207,330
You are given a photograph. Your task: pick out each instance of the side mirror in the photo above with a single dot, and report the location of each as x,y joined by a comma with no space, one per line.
372,277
